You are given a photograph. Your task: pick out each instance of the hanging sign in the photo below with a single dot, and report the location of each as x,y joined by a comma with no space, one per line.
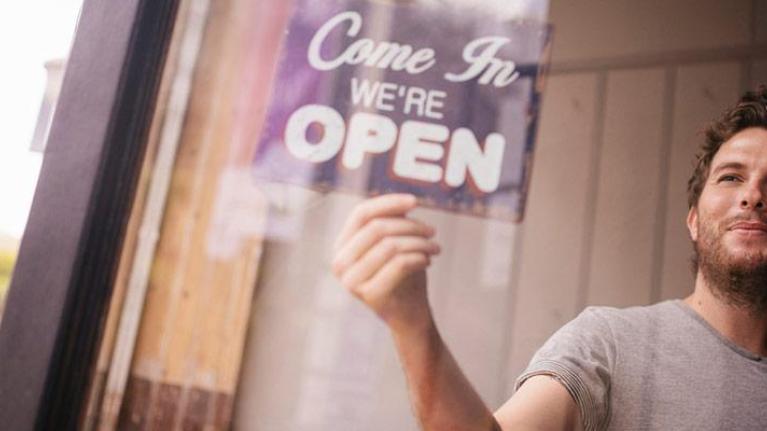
375,97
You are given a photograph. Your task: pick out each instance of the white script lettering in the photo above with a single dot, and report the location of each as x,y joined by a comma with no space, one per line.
480,54
384,55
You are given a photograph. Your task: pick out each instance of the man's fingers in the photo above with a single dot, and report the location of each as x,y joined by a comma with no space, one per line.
373,232
380,256
383,252
390,205
398,268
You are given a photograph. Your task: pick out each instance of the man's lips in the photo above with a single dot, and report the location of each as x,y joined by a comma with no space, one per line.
749,227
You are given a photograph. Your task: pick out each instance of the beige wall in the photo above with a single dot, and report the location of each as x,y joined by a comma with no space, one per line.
631,85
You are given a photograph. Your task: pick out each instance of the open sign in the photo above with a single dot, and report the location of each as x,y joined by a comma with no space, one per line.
420,153
445,112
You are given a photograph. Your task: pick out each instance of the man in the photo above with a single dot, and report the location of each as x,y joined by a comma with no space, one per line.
698,363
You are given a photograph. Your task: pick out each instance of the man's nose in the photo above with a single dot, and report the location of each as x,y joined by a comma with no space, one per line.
753,197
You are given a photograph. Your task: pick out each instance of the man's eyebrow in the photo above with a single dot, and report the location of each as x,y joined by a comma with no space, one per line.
728,165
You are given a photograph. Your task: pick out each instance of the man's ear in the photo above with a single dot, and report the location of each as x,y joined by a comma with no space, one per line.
692,223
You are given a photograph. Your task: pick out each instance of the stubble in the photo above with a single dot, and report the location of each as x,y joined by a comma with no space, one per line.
740,281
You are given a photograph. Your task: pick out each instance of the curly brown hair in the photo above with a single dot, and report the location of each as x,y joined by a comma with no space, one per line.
750,111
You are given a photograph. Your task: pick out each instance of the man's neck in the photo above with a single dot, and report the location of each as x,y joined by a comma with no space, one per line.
738,324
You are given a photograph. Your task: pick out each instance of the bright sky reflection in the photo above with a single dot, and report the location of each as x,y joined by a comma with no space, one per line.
31,32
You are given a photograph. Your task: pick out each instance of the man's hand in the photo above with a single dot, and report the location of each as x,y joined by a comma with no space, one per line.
381,257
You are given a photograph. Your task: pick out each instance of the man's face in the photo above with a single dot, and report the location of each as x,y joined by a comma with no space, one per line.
729,224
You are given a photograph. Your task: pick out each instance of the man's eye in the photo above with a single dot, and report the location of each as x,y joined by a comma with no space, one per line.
728,178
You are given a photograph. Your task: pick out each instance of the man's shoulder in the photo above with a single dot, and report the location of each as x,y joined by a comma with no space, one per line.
632,317
658,309
601,330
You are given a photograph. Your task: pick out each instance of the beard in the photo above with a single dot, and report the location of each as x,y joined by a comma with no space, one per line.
739,281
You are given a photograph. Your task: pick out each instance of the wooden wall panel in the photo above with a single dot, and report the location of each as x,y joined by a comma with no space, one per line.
392,401
702,92
552,242
624,28
758,73
627,201
298,341
760,21
473,316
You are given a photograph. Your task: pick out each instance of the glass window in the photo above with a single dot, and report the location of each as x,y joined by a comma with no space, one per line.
276,119
30,88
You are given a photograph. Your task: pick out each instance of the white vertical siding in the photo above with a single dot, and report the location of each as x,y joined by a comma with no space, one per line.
760,21
623,241
759,73
591,29
558,210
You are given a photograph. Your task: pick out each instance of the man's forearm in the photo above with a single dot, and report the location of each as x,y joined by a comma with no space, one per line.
442,396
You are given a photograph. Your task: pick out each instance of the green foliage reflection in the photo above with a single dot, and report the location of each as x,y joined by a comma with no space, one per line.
7,259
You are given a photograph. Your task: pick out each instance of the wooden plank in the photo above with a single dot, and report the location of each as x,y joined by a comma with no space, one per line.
552,238
702,92
624,227
192,333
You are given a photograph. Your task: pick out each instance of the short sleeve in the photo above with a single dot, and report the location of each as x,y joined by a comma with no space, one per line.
580,355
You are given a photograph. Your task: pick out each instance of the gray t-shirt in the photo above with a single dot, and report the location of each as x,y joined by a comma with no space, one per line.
660,367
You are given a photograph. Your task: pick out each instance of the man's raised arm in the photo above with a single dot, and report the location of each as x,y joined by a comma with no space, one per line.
381,257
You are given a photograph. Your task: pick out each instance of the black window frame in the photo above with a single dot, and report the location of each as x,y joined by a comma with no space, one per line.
68,257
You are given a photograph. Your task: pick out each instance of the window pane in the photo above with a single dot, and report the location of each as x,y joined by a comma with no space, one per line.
276,119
